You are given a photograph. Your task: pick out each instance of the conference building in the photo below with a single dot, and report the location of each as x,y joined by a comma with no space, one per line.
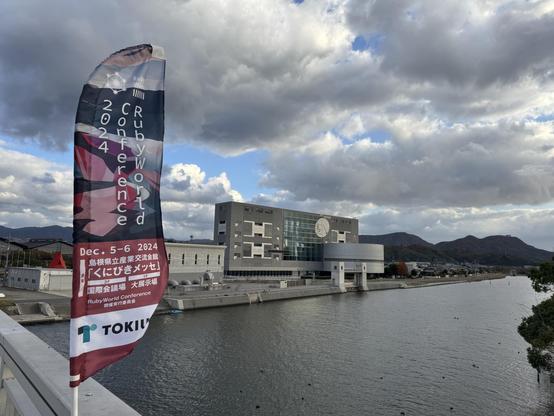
269,242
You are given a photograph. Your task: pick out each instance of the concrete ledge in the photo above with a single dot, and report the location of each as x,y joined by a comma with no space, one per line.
248,298
31,319
372,285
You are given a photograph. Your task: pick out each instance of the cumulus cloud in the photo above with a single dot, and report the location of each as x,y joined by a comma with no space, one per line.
273,73
454,166
37,192
188,199
237,77
480,42
34,191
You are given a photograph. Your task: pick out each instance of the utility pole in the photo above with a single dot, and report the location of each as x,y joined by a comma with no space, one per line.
8,252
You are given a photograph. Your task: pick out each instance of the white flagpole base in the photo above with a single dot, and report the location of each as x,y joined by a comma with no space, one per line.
75,405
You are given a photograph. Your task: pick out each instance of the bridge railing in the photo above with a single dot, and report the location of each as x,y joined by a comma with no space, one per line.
34,379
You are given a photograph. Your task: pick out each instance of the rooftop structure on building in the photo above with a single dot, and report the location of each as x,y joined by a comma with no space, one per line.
49,245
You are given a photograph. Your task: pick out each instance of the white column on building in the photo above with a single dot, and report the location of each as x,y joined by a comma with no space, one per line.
337,275
363,282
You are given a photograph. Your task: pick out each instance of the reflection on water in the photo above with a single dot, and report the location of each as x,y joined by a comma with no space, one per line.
430,351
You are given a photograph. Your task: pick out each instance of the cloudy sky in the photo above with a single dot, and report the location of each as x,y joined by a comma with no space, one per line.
432,117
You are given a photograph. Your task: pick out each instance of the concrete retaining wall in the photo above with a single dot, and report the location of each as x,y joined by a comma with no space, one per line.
247,298
376,285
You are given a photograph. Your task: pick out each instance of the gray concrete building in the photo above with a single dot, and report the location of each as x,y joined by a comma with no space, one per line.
269,242
190,261
39,278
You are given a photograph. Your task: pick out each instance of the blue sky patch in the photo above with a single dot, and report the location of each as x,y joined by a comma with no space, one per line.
544,118
373,42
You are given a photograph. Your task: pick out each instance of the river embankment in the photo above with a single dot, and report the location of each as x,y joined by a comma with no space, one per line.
30,307
249,292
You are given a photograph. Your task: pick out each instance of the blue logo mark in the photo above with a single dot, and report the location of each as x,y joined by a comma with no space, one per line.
85,330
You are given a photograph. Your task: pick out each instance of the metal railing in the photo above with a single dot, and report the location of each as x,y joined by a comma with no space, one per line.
34,379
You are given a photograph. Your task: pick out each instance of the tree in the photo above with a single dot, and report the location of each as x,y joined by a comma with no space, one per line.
538,329
402,269
392,270
543,277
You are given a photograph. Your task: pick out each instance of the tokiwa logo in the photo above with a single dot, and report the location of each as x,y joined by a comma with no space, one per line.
85,330
114,329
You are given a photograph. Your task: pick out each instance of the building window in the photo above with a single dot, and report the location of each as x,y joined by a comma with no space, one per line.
183,259
222,222
169,258
207,259
248,228
219,259
196,259
300,243
247,250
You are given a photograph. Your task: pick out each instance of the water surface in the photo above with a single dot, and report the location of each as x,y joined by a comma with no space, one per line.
418,351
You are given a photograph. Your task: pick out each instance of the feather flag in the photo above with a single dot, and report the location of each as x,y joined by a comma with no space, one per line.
119,260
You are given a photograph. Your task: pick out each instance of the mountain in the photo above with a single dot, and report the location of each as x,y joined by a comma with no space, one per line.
493,250
395,239
26,233
417,253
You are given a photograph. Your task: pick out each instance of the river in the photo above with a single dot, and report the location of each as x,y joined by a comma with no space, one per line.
442,350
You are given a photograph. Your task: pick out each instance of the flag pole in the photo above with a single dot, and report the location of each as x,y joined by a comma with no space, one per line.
75,404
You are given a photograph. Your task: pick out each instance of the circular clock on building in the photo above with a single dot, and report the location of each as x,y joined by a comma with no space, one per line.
322,227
